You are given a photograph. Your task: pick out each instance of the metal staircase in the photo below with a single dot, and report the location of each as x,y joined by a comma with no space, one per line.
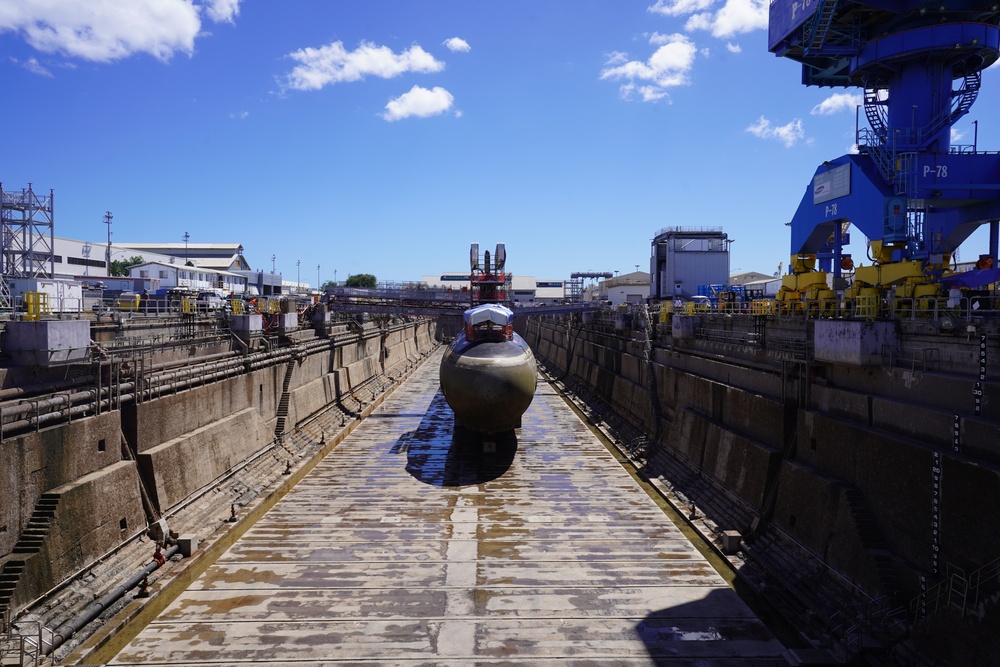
820,26
650,355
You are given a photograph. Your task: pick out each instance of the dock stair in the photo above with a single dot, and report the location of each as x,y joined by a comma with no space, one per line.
872,540
30,543
282,413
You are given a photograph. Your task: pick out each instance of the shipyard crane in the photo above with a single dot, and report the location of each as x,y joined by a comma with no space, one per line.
914,194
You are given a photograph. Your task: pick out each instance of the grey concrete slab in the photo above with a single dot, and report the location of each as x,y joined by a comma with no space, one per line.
405,547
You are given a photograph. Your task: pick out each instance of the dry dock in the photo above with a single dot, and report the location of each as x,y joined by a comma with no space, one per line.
401,549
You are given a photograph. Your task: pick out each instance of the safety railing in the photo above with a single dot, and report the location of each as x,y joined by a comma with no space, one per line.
957,591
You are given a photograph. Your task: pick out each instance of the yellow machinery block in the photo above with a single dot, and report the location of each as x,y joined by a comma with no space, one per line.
806,281
802,263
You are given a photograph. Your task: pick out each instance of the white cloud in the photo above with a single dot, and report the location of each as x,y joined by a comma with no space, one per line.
679,7
667,67
222,11
33,66
419,102
242,115
108,30
853,149
956,135
836,103
733,17
335,64
733,48
616,58
457,44
788,134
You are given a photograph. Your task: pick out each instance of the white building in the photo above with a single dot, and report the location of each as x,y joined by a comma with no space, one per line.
172,276
628,288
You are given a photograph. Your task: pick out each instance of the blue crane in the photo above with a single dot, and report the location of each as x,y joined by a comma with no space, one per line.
913,194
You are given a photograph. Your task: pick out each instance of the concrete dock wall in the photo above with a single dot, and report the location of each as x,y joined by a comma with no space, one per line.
34,463
94,512
185,464
77,472
837,457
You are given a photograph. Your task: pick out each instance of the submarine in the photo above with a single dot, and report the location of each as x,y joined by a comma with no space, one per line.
488,372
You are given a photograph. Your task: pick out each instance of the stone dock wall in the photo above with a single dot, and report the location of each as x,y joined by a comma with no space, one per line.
857,466
71,493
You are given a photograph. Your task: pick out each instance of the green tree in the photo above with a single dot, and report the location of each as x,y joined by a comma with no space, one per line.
120,267
327,285
361,280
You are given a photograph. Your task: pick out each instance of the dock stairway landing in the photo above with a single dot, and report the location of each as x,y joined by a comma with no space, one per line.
30,543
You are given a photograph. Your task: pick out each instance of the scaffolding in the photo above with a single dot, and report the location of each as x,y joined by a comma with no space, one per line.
575,283
27,237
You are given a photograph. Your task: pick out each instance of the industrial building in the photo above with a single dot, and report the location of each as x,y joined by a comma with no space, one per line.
682,258
628,288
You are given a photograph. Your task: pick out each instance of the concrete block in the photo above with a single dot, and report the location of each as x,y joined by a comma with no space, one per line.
684,326
288,322
856,343
252,323
246,327
187,544
47,343
731,541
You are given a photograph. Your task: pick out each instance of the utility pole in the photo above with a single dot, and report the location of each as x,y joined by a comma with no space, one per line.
186,237
272,263
107,221
298,274
317,277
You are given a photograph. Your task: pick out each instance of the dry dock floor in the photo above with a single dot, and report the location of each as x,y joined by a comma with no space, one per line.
404,548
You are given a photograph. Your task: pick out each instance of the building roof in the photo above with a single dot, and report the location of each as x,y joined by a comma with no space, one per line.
633,278
219,256
182,267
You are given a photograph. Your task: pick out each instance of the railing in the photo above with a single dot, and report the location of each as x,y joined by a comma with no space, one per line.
956,591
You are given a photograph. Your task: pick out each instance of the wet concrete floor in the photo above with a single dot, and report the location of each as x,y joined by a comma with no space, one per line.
405,547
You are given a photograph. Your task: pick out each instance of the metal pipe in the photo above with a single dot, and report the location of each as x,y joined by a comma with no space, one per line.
80,403
17,392
65,631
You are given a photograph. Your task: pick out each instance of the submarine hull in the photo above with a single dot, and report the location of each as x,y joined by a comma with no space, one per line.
488,384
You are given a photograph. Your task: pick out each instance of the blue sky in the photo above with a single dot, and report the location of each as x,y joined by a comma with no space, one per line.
378,136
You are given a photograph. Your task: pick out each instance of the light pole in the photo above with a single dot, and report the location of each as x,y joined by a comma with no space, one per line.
317,277
335,277
298,274
272,263
186,237
107,221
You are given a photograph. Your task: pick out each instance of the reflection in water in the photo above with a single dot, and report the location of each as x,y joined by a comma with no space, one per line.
439,454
